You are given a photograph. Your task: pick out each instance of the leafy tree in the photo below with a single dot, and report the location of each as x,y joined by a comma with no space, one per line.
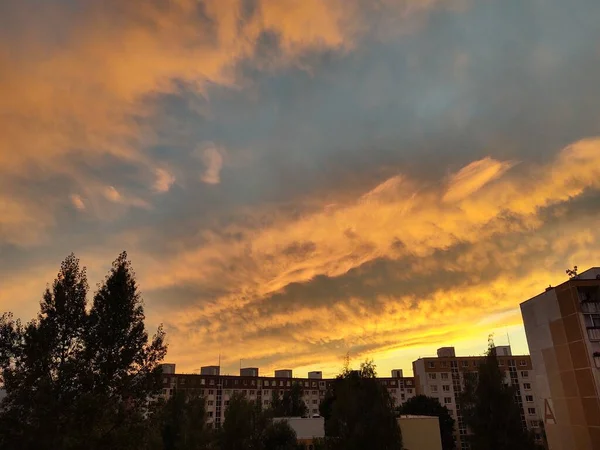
359,412
242,424
279,436
124,365
490,410
76,380
429,406
290,404
183,422
42,365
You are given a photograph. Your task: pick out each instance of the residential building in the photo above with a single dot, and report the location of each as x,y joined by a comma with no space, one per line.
420,432
218,389
442,377
562,326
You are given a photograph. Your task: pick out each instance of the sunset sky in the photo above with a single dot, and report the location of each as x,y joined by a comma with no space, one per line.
298,179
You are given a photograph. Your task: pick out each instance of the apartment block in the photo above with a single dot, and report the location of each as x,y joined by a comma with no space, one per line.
562,326
442,377
218,389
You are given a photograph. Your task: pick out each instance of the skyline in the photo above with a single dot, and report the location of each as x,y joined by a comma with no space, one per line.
298,180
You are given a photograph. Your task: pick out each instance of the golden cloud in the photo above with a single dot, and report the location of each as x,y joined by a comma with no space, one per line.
488,201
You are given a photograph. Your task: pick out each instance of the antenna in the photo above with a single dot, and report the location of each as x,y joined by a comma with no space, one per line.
508,337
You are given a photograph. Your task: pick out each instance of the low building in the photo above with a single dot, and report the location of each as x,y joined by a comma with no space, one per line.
420,432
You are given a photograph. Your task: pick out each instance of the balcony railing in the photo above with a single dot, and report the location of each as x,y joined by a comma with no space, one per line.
594,333
590,308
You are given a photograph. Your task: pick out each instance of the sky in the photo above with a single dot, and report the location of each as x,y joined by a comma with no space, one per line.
298,180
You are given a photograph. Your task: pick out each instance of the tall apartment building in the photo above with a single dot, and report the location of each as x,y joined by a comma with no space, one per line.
217,389
442,377
563,332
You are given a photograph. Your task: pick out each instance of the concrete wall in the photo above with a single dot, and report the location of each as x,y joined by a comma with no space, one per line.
565,382
420,432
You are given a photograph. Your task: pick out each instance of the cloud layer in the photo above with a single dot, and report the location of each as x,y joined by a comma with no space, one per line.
295,180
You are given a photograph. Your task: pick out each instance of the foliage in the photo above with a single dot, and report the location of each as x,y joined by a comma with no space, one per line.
182,423
75,379
490,410
429,406
290,404
246,427
359,412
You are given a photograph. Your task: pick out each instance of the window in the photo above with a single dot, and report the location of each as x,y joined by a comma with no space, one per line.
402,396
465,364
409,391
211,382
445,376
210,414
288,384
226,402
306,384
227,391
265,392
211,403
202,381
321,384
314,402
315,411
432,376
447,400
252,392
314,392
522,362
527,386
500,363
431,365
211,392
444,363
529,398
165,380
266,382
408,382
525,373
266,402
446,387
531,411
434,388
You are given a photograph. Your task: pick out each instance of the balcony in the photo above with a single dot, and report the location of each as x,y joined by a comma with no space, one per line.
590,307
593,333
597,359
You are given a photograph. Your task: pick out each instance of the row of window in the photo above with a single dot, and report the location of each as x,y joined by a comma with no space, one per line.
444,364
446,375
267,383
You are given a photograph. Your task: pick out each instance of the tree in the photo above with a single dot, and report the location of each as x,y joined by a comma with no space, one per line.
42,364
429,406
490,410
182,421
359,412
75,380
124,365
290,404
279,436
242,426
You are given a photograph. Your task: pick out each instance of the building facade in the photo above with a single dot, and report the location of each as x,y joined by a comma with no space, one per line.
563,332
442,377
217,389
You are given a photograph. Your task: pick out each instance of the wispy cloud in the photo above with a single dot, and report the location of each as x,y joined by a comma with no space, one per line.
213,163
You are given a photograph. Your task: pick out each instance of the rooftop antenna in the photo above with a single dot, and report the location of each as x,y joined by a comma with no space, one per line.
508,337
